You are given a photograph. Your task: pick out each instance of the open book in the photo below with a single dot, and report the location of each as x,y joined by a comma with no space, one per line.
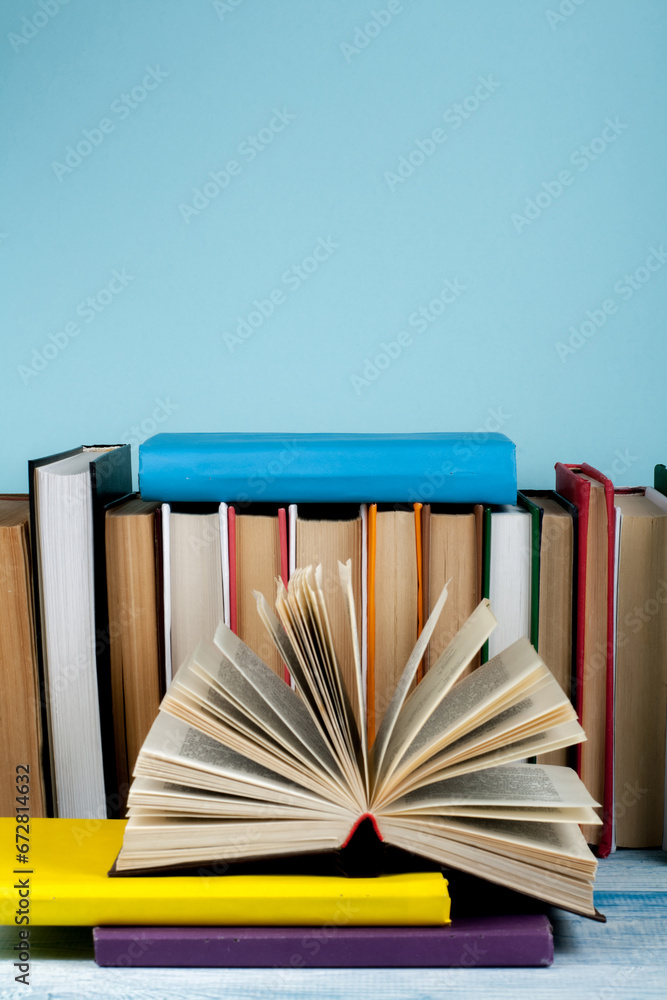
239,765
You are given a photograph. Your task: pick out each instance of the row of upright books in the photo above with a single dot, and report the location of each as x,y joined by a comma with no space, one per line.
125,586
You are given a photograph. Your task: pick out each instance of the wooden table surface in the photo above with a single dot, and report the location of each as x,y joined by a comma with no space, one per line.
624,958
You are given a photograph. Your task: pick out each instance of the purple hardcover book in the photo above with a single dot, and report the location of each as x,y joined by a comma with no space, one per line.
468,942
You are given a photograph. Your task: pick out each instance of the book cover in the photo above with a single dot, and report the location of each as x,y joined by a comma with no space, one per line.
641,667
325,534
109,479
535,536
513,940
258,555
136,636
660,478
594,657
659,497
507,575
450,552
556,592
195,564
69,885
353,468
394,600
20,712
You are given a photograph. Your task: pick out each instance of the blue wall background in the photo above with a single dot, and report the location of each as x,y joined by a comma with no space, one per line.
498,165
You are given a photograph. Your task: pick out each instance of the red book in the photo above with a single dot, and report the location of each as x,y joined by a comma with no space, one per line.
593,495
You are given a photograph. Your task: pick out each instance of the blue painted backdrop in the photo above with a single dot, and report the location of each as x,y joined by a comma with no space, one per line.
300,215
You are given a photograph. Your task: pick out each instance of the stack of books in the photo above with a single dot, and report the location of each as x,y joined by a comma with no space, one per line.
125,586
211,918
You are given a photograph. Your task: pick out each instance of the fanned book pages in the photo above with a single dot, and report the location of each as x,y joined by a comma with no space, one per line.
239,765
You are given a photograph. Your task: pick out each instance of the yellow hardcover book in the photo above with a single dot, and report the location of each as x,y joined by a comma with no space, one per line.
64,882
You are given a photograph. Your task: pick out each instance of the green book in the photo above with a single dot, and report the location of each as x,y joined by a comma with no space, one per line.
660,478
535,540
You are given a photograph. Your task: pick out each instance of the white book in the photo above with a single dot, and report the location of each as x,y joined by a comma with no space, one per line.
510,575
69,494
195,552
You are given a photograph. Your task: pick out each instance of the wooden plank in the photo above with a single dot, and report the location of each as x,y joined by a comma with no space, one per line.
636,870
602,982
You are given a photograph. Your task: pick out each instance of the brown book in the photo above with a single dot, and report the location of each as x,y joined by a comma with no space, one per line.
259,560
134,588
555,605
326,541
641,672
392,604
20,712
193,580
452,555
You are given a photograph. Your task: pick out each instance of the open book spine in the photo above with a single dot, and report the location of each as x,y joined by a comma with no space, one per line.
372,820
499,941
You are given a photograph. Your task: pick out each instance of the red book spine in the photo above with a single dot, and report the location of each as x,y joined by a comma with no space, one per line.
570,485
608,802
233,617
356,826
577,491
284,559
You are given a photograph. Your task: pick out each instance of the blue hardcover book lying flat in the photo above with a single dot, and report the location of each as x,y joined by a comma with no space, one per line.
338,468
